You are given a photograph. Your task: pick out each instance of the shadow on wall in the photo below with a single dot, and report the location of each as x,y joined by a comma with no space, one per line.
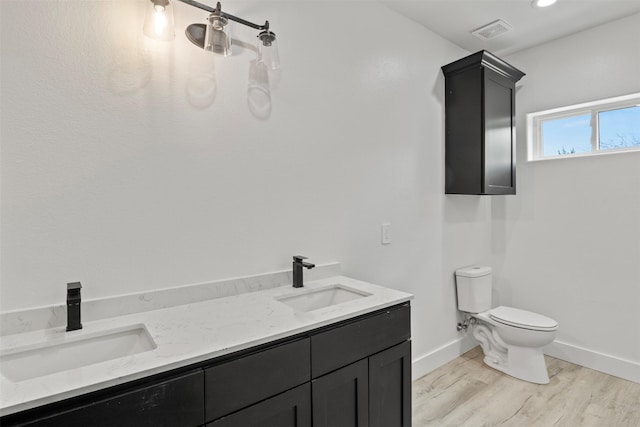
201,83
131,72
438,93
259,91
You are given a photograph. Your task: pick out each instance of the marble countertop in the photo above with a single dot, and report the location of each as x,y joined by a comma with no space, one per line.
185,334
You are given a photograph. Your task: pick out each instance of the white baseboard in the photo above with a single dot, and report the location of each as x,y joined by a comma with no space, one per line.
622,368
426,363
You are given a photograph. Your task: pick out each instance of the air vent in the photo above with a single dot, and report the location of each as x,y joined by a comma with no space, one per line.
492,30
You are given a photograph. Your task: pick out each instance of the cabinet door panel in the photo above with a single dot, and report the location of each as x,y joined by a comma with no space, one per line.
463,125
390,387
498,138
289,409
341,398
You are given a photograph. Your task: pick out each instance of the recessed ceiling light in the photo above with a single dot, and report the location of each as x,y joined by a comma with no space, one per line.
542,3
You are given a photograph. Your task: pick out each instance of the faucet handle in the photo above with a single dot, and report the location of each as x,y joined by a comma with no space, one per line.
299,258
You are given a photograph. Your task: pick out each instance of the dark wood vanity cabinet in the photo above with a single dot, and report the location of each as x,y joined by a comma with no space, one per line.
353,373
359,374
480,125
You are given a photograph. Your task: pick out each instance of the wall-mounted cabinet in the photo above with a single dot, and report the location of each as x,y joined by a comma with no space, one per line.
480,125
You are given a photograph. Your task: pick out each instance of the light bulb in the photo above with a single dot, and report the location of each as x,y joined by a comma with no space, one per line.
158,21
542,3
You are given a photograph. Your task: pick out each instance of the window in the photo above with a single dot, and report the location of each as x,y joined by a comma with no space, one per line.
606,126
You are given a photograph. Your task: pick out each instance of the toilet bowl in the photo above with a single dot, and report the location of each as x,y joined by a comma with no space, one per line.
511,339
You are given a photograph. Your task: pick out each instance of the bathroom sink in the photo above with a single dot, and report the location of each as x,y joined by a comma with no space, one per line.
70,352
321,298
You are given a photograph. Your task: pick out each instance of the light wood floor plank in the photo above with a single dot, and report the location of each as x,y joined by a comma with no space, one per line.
467,393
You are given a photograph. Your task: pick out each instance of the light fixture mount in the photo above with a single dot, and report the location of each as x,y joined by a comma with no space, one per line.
211,36
228,17
267,37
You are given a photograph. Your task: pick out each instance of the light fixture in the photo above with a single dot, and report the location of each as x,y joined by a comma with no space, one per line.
212,36
542,3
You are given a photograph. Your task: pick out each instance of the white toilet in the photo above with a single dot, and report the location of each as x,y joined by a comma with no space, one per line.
511,339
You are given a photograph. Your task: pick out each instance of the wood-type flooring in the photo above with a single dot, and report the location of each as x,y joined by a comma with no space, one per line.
467,393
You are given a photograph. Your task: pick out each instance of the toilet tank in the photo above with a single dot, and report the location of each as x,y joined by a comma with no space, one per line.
474,289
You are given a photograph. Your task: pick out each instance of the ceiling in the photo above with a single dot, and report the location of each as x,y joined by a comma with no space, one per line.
456,19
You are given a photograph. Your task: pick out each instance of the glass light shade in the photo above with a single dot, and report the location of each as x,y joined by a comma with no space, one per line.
158,20
216,38
268,51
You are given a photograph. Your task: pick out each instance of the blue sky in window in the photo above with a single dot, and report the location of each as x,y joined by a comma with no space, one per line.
620,128
567,135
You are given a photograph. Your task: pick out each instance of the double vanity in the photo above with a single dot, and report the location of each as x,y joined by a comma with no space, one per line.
335,352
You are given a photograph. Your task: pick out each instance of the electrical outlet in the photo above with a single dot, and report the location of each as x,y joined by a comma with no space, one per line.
385,235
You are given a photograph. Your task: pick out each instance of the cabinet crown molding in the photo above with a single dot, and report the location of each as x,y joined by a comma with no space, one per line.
483,59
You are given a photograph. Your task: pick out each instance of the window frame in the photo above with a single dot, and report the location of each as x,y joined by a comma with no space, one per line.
535,147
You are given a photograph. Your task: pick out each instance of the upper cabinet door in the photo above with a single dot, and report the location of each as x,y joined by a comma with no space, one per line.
480,125
499,135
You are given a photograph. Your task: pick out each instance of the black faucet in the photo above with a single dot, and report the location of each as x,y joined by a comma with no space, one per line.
298,264
73,306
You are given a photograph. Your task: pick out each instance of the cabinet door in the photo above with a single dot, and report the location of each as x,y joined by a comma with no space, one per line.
390,387
499,134
176,402
341,398
289,409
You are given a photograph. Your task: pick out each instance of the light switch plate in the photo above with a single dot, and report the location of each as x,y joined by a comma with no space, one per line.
385,236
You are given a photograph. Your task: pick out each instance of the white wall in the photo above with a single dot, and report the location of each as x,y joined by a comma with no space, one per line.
120,170
568,245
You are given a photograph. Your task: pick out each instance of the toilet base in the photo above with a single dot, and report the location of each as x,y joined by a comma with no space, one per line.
524,363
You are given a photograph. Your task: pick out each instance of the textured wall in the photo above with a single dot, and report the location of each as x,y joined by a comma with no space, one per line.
131,165
569,244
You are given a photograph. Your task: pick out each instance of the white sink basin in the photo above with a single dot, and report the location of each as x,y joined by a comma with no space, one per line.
74,351
321,298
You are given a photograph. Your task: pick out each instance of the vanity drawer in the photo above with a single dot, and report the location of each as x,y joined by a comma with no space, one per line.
172,402
239,383
346,344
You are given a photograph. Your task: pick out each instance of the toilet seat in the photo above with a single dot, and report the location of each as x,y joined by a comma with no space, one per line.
522,319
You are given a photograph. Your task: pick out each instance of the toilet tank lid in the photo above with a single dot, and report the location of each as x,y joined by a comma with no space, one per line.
473,271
